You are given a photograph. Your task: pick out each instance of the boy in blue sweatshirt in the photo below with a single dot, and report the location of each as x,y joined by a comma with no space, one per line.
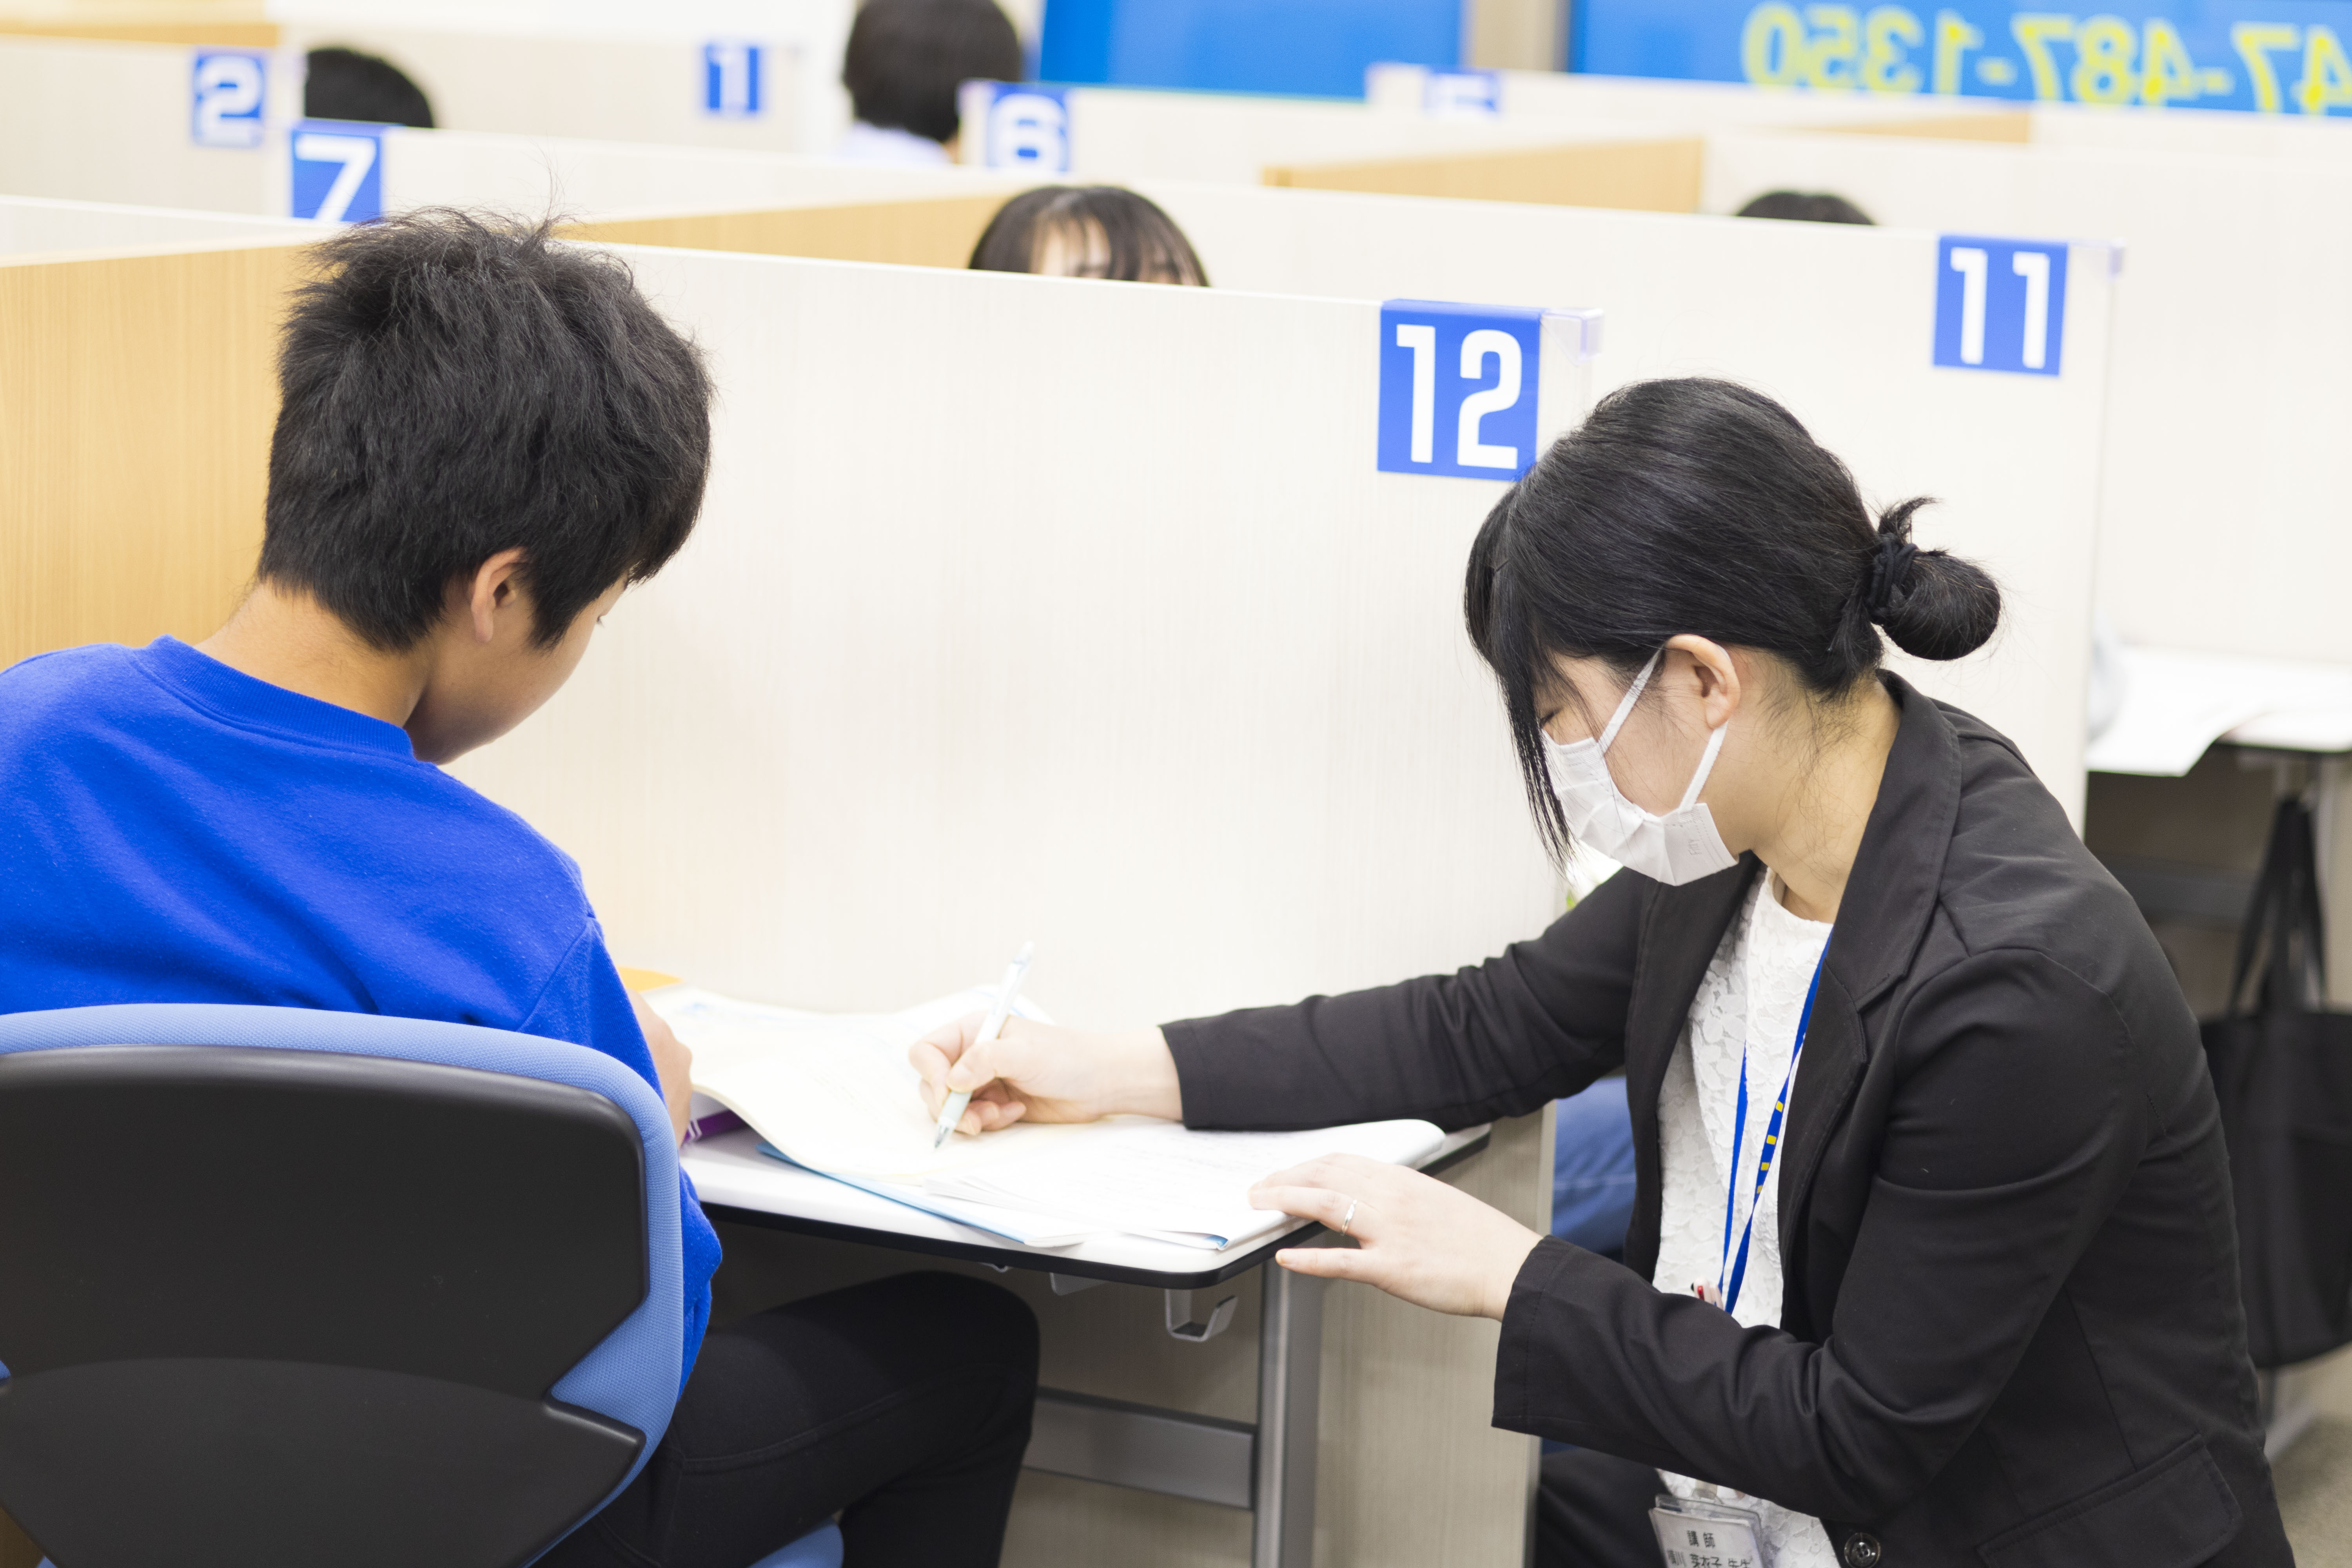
486,437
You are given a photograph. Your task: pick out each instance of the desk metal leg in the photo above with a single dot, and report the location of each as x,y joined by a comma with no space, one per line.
1289,1390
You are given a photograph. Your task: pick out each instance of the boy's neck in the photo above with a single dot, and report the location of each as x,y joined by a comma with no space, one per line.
292,640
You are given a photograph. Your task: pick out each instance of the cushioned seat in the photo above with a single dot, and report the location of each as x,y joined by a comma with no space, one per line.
288,1288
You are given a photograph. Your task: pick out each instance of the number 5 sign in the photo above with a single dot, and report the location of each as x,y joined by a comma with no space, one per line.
1463,386
2000,304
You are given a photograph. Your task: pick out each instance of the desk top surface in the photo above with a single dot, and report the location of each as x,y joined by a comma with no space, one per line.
740,1184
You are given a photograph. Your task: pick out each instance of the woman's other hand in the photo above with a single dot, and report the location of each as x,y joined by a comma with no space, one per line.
1417,1238
1042,1073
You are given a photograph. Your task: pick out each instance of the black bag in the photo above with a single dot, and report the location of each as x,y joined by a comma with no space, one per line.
2283,1076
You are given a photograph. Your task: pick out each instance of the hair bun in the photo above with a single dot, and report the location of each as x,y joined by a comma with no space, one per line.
1933,606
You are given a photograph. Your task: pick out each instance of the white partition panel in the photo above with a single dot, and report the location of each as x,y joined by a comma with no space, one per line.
1133,133
31,224
2226,524
1033,609
1575,101
2195,131
1836,323
638,78
1027,607
111,122
1555,96
602,179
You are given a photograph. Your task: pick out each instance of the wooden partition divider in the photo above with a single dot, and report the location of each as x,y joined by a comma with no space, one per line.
1992,125
140,394
1661,175
941,232
243,24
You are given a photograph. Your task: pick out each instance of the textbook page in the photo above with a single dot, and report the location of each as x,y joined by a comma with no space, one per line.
833,1091
1157,1178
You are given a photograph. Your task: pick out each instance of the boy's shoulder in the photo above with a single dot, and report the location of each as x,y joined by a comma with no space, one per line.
65,672
88,718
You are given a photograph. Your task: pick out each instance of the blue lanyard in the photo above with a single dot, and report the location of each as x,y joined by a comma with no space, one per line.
1736,1268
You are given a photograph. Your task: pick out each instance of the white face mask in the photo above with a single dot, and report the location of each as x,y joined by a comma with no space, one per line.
1680,846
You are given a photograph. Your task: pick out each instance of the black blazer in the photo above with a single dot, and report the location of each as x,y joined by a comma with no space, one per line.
2011,1328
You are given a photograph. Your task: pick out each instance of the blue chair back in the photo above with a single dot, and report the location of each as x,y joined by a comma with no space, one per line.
281,1288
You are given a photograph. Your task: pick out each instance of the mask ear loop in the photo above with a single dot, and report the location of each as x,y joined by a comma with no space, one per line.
1625,703
1705,764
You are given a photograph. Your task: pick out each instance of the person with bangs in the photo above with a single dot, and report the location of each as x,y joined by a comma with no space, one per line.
1088,231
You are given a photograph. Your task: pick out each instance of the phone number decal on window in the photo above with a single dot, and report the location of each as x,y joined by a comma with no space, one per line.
2204,57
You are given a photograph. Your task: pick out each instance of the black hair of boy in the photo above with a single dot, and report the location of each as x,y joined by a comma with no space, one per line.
906,58
1803,206
1126,235
454,385
344,84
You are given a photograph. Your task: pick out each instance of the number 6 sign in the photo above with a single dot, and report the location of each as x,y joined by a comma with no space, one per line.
1462,386
2000,304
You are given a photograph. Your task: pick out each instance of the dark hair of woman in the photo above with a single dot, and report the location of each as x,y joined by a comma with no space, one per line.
1102,231
344,84
1700,506
453,385
906,58
1801,206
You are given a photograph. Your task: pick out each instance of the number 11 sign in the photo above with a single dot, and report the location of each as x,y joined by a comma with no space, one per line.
2000,304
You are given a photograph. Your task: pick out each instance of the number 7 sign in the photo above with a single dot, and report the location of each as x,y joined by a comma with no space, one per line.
2000,304
337,170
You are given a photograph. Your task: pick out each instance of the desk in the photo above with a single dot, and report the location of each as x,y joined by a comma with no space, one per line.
1267,1467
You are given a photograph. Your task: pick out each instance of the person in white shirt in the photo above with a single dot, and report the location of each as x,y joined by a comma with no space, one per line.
906,61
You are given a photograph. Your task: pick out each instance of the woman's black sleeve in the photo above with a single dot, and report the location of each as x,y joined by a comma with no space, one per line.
1499,1038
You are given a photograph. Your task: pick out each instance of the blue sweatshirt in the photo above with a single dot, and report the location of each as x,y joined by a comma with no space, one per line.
176,831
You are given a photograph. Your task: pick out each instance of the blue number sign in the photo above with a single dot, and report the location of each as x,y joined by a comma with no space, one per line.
227,90
1020,126
1461,95
731,79
1458,388
337,170
2000,304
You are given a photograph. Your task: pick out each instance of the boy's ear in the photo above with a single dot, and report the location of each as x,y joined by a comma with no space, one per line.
496,594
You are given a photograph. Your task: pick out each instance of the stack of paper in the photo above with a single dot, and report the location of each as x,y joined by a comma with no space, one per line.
835,1093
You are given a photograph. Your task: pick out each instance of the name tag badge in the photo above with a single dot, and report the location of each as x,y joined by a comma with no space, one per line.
1709,1534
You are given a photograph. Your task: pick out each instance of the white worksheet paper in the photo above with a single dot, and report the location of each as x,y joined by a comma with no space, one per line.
1156,1178
835,1093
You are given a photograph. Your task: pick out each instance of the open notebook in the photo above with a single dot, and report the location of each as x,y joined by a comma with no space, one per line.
834,1092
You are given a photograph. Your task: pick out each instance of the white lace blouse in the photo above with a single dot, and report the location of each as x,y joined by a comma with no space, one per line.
1754,992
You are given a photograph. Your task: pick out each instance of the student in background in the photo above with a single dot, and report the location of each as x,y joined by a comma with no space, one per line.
344,84
906,60
1088,231
1801,206
484,438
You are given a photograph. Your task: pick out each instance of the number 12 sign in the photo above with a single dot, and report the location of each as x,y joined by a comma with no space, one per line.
1459,385
2000,304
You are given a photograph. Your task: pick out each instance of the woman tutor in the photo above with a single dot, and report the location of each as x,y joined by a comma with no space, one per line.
1933,1260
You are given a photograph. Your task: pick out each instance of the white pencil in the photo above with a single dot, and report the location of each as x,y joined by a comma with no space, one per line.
952,1111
